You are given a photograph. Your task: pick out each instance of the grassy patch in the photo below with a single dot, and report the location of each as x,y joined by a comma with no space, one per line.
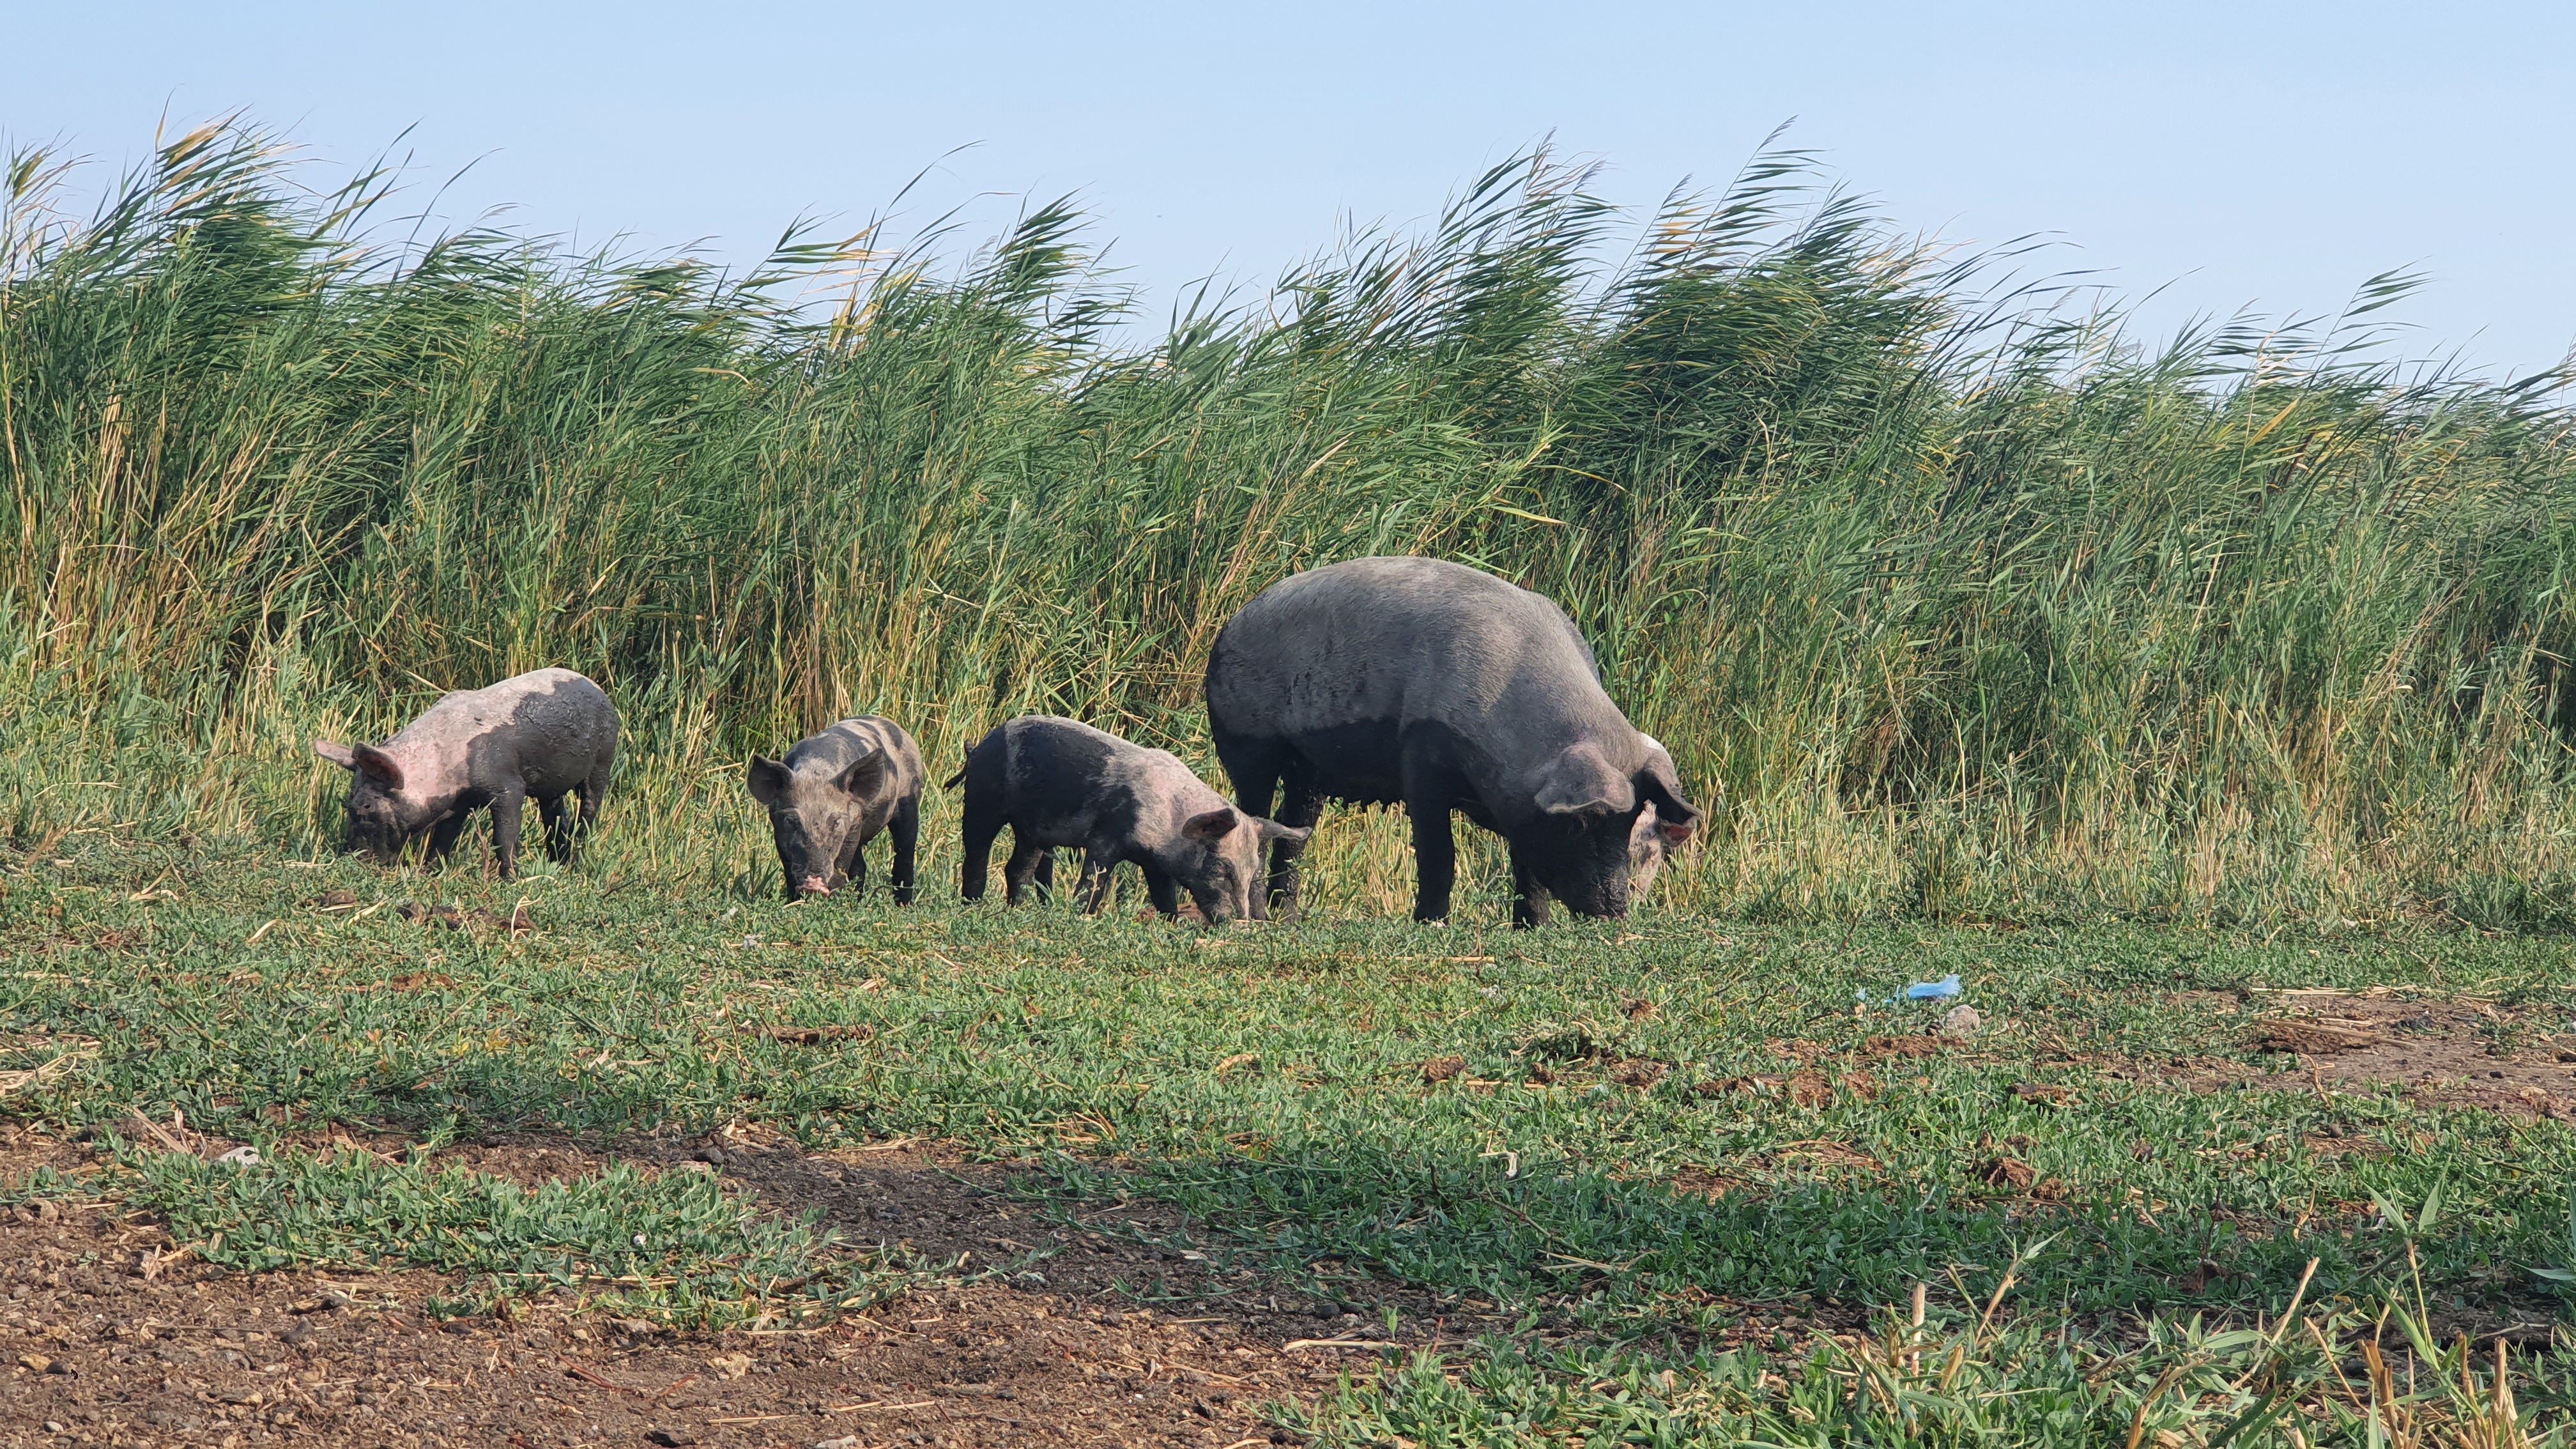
2180,1383
1655,1137
671,1248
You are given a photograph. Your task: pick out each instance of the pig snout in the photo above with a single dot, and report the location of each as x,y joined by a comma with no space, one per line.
813,885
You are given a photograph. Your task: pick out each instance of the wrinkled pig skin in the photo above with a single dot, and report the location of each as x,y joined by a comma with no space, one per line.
541,735
1429,684
835,792
1058,782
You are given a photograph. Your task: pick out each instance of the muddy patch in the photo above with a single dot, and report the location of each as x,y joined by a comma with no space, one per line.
2443,1051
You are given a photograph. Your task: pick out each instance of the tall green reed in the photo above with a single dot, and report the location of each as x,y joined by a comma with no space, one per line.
1965,601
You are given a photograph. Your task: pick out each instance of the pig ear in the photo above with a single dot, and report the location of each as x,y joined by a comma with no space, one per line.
1653,823
1662,784
336,754
1580,782
864,777
378,766
1214,825
1273,830
767,779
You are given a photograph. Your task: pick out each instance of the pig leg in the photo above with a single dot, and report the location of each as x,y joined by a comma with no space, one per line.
853,867
1099,869
980,831
1160,889
1529,898
442,837
1301,805
558,823
1255,767
1435,858
505,829
1046,873
1435,850
907,834
594,789
1028,859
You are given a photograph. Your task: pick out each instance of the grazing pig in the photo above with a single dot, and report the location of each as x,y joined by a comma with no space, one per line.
541,734
832,795
1058,782
1434,685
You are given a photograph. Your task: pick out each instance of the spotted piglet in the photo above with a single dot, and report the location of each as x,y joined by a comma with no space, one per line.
835,792
1058,782
542,734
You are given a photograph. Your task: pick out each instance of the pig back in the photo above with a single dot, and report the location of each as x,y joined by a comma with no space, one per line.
850,740
1341,663
549,729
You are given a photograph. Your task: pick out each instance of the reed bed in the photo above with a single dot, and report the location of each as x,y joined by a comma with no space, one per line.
1954,596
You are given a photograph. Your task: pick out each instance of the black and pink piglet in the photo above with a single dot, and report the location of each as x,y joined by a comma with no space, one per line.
541,736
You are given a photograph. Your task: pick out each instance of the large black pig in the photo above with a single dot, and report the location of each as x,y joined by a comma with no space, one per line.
835,792
1428,684
539,735
1059,782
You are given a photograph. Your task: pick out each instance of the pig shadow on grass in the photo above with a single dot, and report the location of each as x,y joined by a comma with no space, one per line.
1006,1222
942,1206
1006,1226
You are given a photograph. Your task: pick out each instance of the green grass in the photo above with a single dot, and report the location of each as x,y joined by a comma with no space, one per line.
669,1247
1271,1081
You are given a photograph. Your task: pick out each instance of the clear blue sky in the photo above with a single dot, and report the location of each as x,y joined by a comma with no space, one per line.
2247,154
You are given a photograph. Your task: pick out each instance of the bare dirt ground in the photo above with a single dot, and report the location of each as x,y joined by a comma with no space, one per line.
101,1343
2454,1051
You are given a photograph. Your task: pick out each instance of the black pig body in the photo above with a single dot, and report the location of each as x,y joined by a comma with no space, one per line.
1057,782
835,792
1428,684
541,736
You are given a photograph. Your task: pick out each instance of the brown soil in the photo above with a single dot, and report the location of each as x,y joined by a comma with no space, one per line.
100,1344
2445,1051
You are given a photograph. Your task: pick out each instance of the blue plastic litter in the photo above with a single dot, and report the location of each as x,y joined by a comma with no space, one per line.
1941,990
